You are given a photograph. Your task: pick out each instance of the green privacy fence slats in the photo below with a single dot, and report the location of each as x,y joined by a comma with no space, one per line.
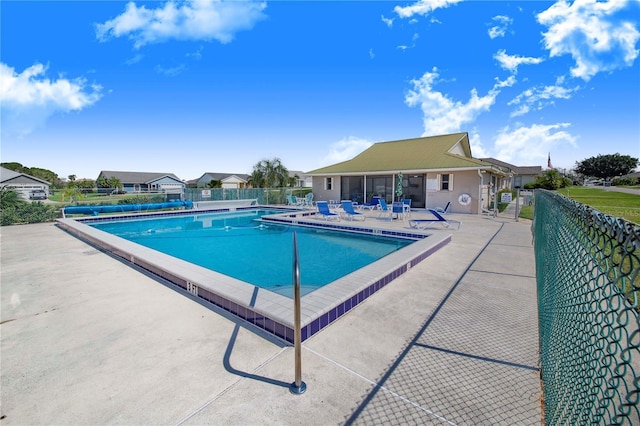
264,196
587,267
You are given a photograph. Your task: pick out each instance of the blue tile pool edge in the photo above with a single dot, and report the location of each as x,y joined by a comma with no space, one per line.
326,318
313,322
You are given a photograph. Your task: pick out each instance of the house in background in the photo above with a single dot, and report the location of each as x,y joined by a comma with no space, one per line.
435,170
521,174
302,179
22,183
147,182
228,180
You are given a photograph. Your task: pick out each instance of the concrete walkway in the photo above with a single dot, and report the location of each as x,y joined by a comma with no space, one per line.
86,339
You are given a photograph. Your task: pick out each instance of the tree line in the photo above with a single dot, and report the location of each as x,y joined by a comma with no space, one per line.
611,167
268,173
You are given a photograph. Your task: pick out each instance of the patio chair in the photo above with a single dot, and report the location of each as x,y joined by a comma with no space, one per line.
437,218
325,213
406,203
308,199
293,201
399,209
347,206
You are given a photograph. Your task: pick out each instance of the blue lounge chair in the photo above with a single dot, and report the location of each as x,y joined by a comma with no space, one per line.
385,211
347,206
445,210
323,210
373,204
423,223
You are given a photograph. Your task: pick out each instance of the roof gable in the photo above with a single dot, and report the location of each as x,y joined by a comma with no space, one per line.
209,176
425,153
234,179
7,175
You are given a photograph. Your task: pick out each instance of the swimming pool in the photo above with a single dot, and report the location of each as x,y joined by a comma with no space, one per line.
268,310
237,244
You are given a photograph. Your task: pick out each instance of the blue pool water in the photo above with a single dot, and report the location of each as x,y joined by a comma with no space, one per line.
238,245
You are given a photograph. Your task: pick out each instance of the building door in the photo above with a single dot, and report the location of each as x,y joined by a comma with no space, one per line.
413,188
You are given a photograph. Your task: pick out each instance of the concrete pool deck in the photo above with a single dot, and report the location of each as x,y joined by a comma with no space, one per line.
86,339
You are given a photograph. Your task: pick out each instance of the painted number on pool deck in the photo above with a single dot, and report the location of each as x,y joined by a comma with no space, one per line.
192,288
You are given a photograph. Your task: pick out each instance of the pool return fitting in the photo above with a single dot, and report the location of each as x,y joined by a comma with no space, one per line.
298,387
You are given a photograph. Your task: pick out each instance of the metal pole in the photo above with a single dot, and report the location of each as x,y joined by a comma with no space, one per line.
517,203
298,387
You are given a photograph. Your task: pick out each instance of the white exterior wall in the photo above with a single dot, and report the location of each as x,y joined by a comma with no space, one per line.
464,182
321,194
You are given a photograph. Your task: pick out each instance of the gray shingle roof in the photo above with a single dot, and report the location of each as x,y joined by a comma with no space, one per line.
520,170
136,177
7,174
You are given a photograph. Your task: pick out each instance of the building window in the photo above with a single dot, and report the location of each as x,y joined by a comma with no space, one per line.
328,183
446,182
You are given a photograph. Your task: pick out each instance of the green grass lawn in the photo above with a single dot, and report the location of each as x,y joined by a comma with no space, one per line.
617,204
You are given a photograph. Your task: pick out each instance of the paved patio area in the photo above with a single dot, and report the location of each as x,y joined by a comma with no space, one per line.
86,339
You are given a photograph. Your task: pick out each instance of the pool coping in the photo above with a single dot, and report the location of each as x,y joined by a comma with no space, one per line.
271,312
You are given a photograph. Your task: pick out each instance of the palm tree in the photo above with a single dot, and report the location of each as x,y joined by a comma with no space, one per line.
9,198
269,174
213,183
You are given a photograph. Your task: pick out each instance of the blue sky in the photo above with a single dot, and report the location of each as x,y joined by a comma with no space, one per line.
207,86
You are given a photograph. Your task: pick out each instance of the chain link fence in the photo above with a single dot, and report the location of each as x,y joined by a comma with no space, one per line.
587,266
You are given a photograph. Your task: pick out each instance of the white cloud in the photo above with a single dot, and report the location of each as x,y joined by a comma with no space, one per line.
193,20
540,97
423,7
512,62
415,37
135,59
171,72
197,55
345,149
592,33
28,99
444,115
388,21
500,29
527,145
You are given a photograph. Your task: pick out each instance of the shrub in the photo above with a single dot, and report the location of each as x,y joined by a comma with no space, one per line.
625,181
551,180
29,213
143,199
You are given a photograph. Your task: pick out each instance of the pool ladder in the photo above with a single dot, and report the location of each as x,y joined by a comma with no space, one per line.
298,386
